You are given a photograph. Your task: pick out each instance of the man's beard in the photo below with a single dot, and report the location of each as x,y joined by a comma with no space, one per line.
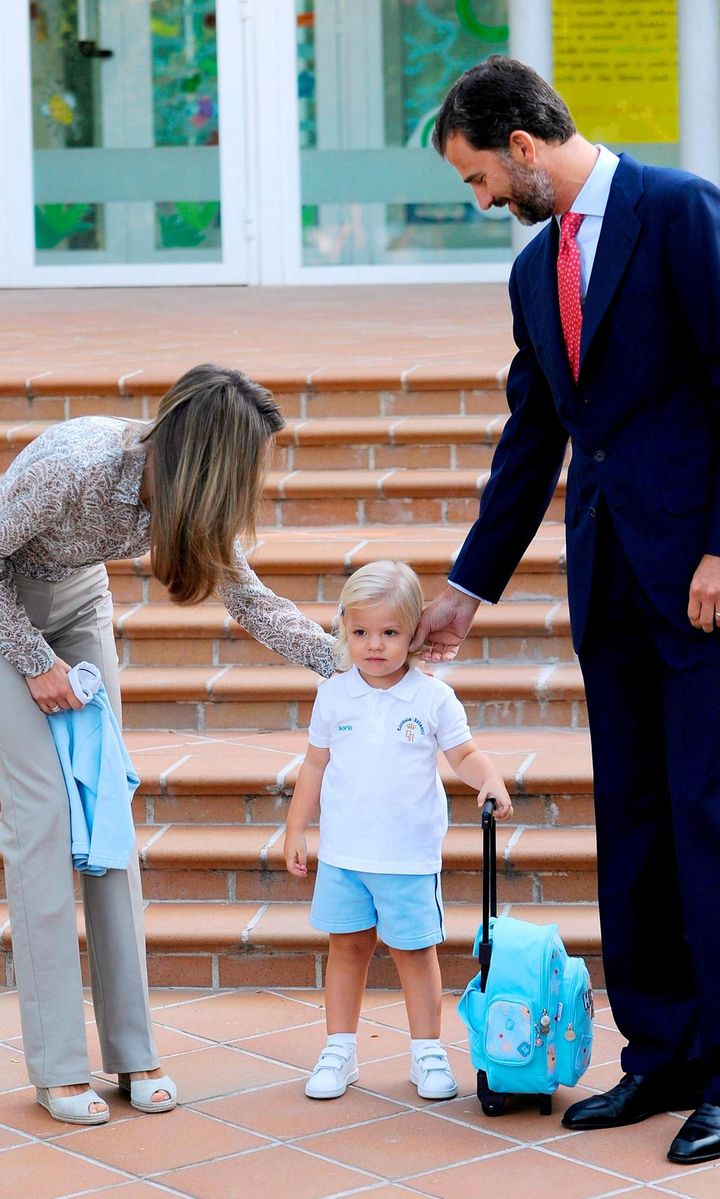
531,191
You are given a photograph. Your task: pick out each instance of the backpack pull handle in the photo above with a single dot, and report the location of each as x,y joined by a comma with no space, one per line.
487,821
487,813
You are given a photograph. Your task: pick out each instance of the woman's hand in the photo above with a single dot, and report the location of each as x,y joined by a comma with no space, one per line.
295,851
51,691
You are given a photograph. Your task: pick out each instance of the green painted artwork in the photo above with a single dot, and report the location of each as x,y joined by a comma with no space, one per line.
59,223
185,107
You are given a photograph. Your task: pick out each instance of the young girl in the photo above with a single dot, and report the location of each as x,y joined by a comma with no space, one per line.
371,768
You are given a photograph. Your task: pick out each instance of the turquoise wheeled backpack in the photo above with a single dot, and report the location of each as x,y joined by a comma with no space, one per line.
529,1011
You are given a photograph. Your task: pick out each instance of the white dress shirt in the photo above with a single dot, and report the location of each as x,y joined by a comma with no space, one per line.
591,201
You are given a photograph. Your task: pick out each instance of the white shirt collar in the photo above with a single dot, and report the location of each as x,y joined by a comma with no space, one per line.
405,689
592,198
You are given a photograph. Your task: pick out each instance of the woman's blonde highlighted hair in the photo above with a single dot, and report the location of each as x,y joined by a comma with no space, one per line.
208,447
383,582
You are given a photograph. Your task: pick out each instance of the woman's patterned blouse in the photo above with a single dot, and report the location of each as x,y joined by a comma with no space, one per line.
72,499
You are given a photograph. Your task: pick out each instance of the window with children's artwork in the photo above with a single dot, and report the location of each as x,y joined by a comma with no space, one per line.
371,78
125,131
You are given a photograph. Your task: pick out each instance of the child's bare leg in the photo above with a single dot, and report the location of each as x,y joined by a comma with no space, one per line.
347,968
419,972
430,1069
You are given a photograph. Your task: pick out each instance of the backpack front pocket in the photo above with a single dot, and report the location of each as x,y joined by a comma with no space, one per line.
509,1032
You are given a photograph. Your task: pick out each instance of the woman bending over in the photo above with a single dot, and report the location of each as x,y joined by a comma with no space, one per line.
186,487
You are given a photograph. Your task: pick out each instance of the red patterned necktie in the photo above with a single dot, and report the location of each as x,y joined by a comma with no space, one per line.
568,267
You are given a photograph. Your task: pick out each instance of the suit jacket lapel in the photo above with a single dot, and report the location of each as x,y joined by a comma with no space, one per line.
544,312
618,235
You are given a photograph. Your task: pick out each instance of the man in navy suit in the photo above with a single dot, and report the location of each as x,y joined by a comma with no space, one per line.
617,322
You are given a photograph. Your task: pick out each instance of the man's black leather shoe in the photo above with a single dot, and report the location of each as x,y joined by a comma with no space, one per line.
635,1097
699,1137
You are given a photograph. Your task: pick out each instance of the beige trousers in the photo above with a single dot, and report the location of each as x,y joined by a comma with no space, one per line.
75,616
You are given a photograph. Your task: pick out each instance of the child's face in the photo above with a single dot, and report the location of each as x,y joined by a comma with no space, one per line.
378,643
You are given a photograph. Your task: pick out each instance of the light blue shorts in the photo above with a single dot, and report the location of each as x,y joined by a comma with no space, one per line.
406,908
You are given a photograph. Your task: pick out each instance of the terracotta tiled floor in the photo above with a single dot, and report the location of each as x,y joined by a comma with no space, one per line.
142,339
245,1128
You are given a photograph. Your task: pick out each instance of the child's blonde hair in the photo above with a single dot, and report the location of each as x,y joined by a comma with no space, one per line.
384,582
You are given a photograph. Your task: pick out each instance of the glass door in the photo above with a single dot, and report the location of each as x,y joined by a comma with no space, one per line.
127,166
371,78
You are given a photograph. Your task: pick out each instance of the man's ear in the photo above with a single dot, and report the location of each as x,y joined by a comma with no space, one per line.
522,148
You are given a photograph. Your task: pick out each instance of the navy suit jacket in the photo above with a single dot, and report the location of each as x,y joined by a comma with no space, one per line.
644,416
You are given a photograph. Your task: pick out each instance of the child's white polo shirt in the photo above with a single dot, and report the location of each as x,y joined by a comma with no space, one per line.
383,808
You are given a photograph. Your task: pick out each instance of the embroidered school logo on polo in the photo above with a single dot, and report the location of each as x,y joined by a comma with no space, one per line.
411,725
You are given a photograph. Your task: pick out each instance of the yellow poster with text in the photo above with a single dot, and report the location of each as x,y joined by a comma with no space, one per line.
615,65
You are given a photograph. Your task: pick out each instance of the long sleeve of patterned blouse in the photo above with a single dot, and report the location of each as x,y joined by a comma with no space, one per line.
275,621
25,512
72,499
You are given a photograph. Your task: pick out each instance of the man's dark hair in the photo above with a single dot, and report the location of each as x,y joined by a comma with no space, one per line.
496,97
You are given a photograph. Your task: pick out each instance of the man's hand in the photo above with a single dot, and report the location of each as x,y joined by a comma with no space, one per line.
51,691
704,605
444,625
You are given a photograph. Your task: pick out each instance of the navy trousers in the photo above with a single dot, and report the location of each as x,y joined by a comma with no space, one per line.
653,695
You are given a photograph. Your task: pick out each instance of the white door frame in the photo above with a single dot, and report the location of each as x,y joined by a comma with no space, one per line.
17,240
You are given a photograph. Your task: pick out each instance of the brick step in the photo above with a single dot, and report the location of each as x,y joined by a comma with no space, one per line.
351,443
311,565
14,437
208,698
398,496
377,443
369,497
157,634
209,810
272,944
221,863
237,863
249,778
52,396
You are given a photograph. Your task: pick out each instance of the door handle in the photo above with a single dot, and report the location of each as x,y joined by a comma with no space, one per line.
87,46
90,49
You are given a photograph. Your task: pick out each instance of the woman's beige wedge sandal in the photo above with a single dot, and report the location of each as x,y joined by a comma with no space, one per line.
141,1091
73,1109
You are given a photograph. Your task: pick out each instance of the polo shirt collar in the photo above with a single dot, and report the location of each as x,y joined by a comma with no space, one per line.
405,690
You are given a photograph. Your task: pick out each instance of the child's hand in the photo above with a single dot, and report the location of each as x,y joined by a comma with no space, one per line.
497,790
295,851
